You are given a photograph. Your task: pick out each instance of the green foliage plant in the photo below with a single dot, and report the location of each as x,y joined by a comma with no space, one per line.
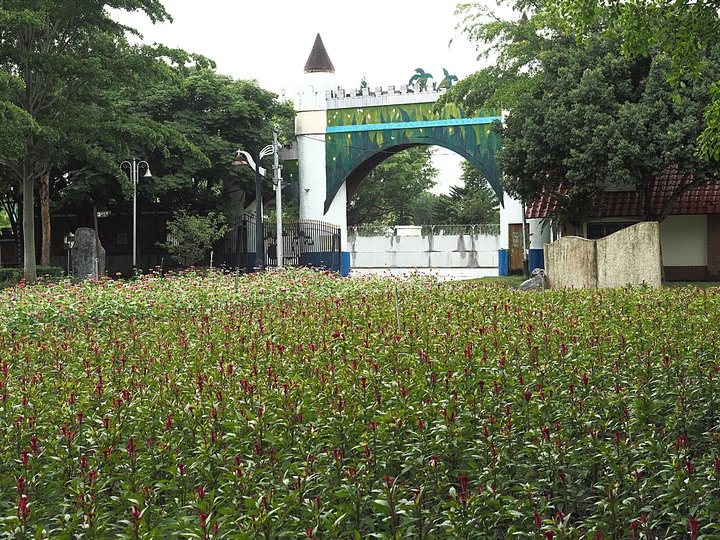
193,235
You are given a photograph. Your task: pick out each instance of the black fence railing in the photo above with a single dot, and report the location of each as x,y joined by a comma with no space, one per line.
305,243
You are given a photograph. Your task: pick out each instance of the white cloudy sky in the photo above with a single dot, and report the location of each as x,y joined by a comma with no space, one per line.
270,40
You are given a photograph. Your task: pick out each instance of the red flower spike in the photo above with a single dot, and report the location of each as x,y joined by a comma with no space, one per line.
464,480
389,482
694,528
563,476
23,510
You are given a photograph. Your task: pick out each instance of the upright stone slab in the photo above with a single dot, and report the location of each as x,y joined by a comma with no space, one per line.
84,253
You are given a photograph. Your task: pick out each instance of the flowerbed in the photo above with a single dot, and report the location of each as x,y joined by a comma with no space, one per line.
302,405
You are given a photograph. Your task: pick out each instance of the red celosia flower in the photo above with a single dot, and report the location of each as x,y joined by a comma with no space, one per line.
23,510
562,476
694,528
463,482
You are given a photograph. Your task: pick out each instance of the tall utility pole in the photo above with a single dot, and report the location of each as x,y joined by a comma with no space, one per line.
277,185
259,240
254,162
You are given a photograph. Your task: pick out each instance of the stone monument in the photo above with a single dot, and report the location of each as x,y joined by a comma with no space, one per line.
85,252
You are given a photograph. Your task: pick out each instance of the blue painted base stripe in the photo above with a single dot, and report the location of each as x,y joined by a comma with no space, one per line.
536,259
503,262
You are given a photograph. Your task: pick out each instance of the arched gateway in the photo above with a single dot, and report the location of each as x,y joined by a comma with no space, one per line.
342,135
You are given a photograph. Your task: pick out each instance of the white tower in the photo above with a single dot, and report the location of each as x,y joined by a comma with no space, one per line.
310,126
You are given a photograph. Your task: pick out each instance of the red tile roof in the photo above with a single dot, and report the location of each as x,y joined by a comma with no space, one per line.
702,200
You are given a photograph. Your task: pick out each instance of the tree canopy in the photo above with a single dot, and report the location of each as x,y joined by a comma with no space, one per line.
387,195
76,99
683,31
473,202
51,53
583,116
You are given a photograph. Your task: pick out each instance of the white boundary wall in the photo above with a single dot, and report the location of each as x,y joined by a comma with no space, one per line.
408,248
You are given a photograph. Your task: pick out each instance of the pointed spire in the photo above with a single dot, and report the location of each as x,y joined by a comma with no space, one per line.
319,61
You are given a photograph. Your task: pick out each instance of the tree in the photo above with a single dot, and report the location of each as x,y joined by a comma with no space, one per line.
599,119
218,115
471,203
684,31
50,50
386,196
193,235
586,117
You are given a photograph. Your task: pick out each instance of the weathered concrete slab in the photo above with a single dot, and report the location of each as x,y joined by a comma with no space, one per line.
631,256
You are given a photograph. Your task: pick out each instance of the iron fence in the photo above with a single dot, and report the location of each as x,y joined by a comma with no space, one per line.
305,243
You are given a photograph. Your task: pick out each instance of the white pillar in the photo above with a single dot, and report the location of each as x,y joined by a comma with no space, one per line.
310,131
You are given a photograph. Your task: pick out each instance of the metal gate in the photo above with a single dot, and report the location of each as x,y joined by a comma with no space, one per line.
305,243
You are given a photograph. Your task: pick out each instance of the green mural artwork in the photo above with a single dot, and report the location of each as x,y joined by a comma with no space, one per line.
355,135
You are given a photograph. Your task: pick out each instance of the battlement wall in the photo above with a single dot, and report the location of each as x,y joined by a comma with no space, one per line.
392,95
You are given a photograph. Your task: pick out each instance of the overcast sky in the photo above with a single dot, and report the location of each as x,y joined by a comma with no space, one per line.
269,41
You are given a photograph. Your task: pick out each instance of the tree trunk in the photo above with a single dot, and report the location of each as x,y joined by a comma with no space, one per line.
29,264
45,217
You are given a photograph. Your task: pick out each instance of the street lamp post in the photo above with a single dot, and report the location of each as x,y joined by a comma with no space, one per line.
259,173
134,167
277,185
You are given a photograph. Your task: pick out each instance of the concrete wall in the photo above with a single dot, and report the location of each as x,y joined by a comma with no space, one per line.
631,256
571,263
431,251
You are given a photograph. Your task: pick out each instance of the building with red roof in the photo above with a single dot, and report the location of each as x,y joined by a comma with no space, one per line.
689,235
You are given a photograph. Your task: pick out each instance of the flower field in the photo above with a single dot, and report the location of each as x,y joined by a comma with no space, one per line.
303,405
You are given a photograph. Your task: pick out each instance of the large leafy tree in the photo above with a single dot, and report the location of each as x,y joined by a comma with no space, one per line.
51,51
683,30
586,117
388,193
217,115
472,202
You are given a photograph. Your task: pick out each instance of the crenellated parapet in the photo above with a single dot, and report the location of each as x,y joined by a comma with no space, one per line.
341,98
